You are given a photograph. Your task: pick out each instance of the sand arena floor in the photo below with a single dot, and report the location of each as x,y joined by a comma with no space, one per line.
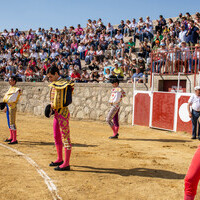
143,164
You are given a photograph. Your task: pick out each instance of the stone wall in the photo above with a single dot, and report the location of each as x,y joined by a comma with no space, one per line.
90,101
34,99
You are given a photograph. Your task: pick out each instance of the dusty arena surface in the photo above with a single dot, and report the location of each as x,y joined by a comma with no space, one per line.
143,164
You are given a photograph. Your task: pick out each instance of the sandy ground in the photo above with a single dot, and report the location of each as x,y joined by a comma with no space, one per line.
142,164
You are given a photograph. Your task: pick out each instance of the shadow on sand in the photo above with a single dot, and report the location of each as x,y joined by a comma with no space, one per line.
143,172
52,143
155,140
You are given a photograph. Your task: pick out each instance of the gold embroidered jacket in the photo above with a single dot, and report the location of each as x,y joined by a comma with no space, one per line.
12,96
58,95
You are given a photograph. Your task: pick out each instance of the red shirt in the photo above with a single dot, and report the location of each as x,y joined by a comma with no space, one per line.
76,75
32,63
29,72
46,66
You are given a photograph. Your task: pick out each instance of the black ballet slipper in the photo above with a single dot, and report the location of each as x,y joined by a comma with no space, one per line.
8,140
114,137
15,142
62,169
53,164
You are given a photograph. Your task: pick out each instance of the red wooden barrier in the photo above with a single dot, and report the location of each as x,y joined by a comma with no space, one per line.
163,110
142,109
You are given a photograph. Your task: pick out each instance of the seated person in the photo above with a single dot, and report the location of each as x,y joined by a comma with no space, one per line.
107,76
131,46
118,72
77,61
94,64
105,63
138,76
75,76
29,73
85,77
20,73
94,76
141,64
108,67
101,78
8,75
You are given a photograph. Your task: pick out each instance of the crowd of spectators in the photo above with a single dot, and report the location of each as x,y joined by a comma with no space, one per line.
96,52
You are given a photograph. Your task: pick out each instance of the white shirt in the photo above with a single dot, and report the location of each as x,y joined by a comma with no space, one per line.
182,36
108,38
119,37
43,55
109,28
195,101
34,55
81,48
196,54
149,30
185,54
54,54
149,22
38,32
4,34
133,25
1,56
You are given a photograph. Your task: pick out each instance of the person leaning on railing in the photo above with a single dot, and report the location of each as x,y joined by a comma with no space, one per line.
192,34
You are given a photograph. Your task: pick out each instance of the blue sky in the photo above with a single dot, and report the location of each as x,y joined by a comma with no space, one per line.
25,14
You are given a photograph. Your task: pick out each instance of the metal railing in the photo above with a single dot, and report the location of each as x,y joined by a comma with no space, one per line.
184,60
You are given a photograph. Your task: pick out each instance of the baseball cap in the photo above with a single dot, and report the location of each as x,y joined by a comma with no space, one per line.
197,88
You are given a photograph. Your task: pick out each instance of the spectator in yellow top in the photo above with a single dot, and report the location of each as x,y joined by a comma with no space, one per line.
118,72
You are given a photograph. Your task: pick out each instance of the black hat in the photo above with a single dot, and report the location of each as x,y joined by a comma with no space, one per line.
48,111
114,79
2,105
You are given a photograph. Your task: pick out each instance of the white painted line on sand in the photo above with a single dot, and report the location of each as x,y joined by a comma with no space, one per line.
48,181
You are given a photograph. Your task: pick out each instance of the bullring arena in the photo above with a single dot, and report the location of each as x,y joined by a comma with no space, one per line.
156,63
142,164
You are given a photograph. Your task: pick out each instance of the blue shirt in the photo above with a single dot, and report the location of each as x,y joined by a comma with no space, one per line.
109,67
193,35
136,75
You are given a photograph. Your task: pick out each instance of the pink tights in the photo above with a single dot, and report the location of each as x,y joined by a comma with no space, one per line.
192,177
62,124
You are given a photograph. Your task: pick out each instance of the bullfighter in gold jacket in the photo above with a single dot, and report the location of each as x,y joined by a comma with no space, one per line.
60,96
10,99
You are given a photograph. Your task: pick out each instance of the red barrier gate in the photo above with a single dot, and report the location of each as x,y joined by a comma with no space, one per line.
163,110
142,108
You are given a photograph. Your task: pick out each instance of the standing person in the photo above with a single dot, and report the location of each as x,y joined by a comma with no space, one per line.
11,98
194,101
59,102
193,174
192,177
192,34
117,93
